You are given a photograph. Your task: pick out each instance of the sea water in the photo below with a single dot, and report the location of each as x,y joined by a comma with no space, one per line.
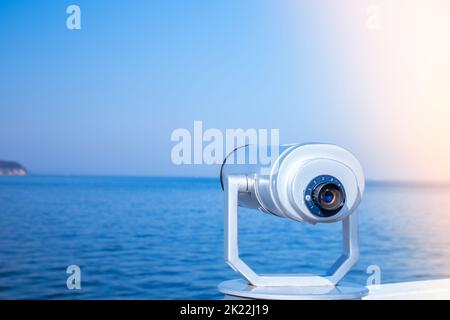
162,238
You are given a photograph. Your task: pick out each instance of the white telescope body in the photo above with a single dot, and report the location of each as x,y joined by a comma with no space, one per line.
279,184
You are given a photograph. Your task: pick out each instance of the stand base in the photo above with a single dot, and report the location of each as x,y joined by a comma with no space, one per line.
239,288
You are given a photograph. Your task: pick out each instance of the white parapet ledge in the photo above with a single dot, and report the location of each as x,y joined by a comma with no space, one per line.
414,290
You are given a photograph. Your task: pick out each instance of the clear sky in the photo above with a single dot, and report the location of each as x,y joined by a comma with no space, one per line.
105,99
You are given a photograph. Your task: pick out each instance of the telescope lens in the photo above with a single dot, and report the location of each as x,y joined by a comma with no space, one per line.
329,197
324,196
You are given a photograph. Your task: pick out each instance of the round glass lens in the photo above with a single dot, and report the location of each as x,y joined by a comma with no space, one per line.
328,197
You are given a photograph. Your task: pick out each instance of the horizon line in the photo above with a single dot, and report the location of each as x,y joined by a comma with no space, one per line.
369,181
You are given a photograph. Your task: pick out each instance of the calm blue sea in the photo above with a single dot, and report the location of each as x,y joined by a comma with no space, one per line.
162,238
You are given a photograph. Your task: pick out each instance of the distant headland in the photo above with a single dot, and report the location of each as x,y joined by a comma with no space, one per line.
12,168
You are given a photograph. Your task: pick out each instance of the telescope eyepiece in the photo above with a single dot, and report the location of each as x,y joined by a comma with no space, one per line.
325,196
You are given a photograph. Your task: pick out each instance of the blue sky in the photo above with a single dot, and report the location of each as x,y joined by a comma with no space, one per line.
105,99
